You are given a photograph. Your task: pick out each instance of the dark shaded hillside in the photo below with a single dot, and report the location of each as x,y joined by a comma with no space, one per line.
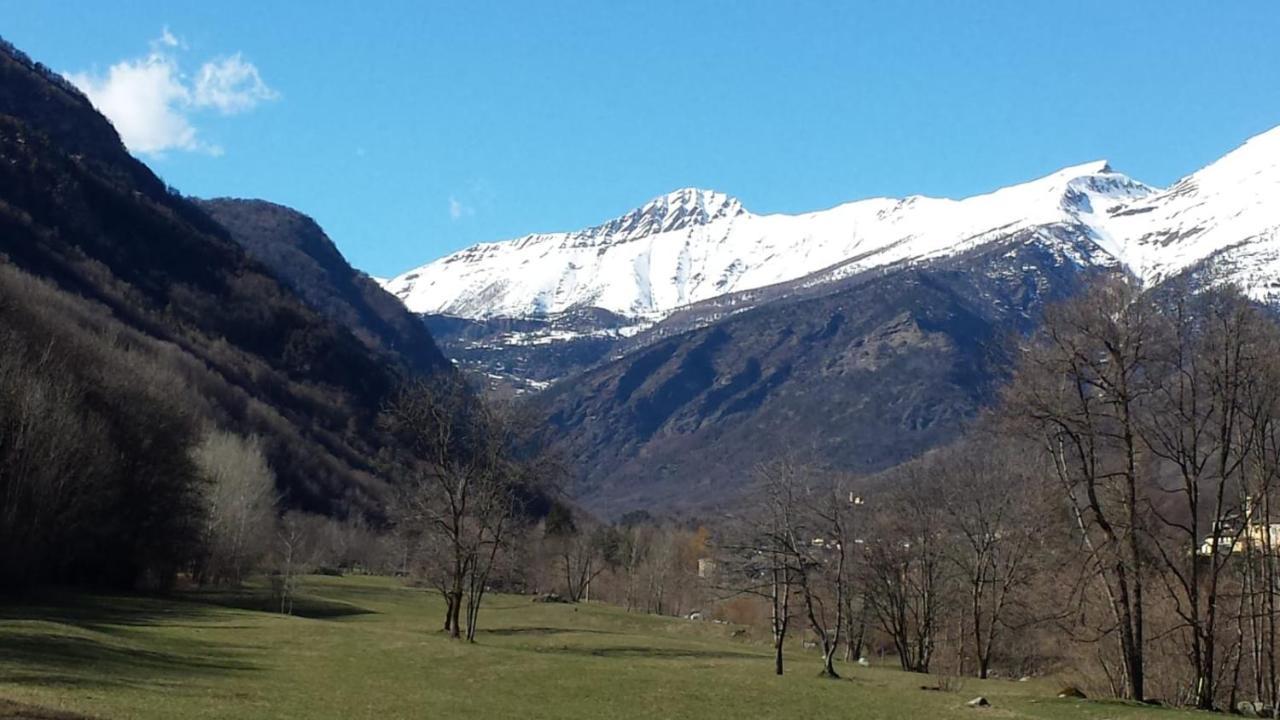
109,237
299,253
517,354
860,379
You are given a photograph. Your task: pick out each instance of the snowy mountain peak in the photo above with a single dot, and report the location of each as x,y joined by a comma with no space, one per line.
1101,189
692,245
1095,178
1222,221
1097,167
676,210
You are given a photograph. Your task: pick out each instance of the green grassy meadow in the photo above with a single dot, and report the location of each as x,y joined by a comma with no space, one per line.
370,648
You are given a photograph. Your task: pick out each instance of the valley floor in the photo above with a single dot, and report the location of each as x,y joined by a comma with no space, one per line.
368,648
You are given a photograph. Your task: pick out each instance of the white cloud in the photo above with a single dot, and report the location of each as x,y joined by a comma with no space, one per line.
458,210
146,100
152,104
231,85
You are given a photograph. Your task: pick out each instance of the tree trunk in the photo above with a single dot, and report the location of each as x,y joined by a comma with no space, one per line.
781,616
853,643
453,624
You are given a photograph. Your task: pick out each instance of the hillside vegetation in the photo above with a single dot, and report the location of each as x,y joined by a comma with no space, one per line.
133,326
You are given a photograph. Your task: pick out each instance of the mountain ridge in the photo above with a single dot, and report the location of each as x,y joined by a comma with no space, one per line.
298,252
646,275
647,270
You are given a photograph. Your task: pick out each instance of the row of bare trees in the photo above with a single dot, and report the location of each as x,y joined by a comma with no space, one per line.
135,452
1159,415
638,563
475,509
1112,518
792,551
949,536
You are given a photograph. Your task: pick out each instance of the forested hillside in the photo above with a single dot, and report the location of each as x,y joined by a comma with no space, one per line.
134,325
297,251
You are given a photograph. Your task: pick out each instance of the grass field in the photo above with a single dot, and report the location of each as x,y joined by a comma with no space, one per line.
368,648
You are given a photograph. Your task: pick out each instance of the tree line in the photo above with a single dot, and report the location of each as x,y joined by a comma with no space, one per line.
130,462
1110,519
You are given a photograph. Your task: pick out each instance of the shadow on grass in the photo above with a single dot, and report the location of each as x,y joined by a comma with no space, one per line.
499,605
56,660
100,613
99,641
304,606
110,613
543,631
632,652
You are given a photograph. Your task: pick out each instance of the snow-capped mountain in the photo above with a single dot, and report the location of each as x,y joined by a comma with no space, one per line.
1226,218
693,245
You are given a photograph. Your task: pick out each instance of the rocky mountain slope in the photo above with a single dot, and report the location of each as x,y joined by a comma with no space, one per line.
885,366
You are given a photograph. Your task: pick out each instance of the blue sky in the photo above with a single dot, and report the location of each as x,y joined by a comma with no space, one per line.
411,129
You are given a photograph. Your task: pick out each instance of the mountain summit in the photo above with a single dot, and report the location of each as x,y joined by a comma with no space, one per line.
1221,222
679,209
692,245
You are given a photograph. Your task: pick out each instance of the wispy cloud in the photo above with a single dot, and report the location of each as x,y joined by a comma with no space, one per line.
458,209
231,85
153,104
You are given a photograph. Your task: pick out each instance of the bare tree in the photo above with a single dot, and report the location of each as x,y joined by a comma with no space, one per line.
291,559
578,548
461,486
1257,570
1079,388
662,572
1197,424
758,554
795,544
50,456
240,495
637,541
496,508
995,513
823,569
904,563
582,560
856,615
